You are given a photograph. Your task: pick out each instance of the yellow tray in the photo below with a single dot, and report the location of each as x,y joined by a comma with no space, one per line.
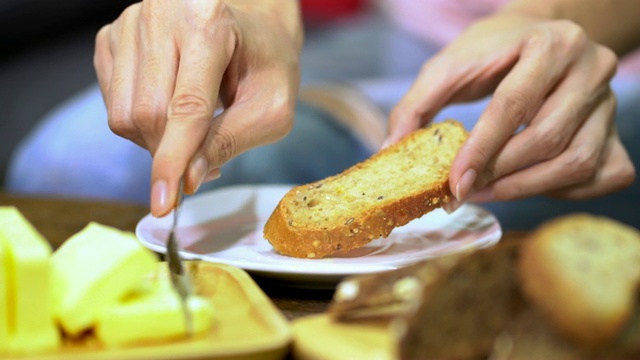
247,325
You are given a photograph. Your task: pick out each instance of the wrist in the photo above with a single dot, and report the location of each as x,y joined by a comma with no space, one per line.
284,13
542,9
611,23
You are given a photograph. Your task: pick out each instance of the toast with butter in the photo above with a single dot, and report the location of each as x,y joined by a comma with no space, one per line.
367,201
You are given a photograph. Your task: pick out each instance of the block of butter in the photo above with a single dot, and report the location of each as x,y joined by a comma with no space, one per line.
26,323
152,313
94,269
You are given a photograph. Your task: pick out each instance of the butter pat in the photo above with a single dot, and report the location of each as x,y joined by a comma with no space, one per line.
93,270
151,314
27,323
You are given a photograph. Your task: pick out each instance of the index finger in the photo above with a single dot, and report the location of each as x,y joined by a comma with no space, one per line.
190,114
515,102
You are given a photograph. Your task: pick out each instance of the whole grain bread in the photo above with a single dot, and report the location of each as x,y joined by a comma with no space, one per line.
583,272
451,307
367,201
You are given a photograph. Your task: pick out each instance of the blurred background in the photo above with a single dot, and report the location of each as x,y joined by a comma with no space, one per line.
46,56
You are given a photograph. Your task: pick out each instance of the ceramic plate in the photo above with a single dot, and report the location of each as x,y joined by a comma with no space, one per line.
225,226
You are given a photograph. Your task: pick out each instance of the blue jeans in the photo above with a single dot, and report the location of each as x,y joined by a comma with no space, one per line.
73,153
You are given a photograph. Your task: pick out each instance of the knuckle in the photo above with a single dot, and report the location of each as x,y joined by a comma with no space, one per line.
514,106
408,113
148,117
119,123
224,147
583,162
608,60
551,142
482,148
571,37
627,174
102,35
573,34
189,104
541,39
130,12
213,16
146,112
282,115
561,37
624,173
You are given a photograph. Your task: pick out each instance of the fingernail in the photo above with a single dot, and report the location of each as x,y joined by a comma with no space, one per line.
385,144
198,171
484,195
213,175
465,183
160,197
452,206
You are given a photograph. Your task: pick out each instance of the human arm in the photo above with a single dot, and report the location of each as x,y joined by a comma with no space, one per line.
164,66
545,73
612,23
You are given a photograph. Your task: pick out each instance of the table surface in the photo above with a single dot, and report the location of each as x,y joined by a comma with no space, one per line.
59,218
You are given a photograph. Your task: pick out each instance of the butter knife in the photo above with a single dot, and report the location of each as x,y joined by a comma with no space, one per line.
179,277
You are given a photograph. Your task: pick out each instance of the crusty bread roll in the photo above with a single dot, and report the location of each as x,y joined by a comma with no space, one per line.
367,201
583,272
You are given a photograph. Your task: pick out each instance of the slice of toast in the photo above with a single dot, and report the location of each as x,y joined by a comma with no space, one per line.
583,272
367,201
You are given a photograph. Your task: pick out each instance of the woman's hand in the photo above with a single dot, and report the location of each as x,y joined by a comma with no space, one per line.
165,65
549,126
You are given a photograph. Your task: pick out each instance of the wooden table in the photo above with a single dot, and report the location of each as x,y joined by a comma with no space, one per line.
57,219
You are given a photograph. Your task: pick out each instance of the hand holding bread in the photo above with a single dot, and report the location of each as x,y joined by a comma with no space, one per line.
367,201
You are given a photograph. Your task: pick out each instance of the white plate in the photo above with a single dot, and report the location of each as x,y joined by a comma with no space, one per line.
225,226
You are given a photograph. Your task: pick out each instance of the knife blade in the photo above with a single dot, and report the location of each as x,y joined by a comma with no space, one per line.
180,279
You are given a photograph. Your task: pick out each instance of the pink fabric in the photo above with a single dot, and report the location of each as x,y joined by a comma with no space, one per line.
441,21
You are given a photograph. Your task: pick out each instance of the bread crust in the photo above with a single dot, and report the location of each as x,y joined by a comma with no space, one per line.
376,222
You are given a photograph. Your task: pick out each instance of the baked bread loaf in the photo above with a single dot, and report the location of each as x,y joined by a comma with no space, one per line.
451,307
583,272
567,291
367,201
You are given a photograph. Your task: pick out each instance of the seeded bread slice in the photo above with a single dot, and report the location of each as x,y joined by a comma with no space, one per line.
583,272
367,201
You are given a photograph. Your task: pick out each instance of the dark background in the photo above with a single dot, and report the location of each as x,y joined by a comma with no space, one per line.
46,56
